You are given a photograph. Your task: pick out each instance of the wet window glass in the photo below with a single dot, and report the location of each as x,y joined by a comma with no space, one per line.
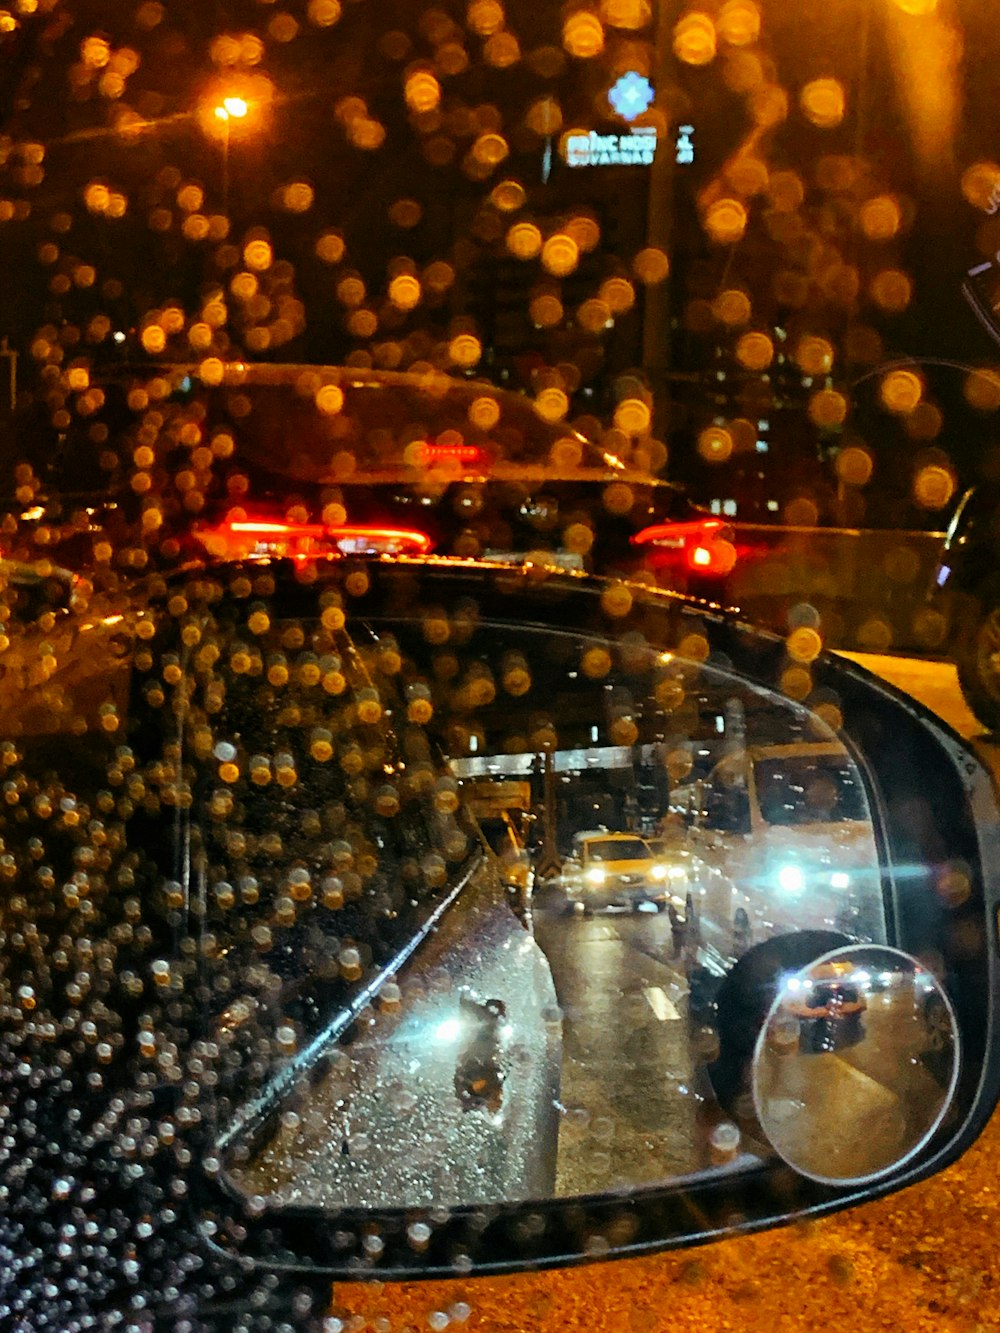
821,789
357,848
286,771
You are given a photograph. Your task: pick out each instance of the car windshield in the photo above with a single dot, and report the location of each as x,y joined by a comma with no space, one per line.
617,849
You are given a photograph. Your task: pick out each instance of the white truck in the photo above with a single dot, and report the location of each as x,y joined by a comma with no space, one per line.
789,831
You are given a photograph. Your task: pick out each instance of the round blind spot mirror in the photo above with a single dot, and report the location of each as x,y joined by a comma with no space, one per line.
856,1064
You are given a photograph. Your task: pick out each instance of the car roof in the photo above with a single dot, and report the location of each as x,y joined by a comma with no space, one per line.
286,432
613,837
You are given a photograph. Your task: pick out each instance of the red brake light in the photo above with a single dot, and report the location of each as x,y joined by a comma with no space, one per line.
278,531
699,543
453,453
716,556
242,539
679,534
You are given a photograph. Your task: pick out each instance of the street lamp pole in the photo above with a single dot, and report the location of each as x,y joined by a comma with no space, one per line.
228,110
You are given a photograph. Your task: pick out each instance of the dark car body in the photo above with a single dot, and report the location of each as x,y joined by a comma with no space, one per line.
268,457
966,591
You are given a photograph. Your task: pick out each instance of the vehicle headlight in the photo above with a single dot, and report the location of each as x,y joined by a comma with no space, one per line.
791,879
840,879
659,872
595,875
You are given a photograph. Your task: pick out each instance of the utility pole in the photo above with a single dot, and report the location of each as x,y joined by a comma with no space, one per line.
659,214
549,863
11,356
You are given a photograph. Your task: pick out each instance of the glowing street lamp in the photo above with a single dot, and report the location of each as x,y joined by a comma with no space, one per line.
232,108
228,110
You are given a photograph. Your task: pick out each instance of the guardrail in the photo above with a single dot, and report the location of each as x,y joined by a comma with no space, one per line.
866,590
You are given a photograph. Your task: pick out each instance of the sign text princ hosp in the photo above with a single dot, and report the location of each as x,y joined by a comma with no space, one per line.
637,148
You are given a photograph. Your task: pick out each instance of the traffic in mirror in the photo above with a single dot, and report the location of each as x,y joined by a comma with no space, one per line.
393,889
856,1065
608,1026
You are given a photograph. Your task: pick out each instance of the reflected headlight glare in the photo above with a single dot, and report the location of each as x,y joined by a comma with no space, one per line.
595,875
791,879
659,872
448,1031
840,879
677,872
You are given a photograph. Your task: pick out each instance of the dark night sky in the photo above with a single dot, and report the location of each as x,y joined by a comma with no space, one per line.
302,137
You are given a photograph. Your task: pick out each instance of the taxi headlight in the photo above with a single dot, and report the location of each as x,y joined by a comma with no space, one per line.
659,871
595,875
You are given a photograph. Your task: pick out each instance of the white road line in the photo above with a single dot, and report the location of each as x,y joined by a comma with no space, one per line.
662,1007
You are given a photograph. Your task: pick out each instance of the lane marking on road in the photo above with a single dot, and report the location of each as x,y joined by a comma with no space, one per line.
662,1006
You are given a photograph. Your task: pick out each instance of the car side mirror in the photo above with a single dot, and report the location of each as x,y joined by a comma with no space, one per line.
278,983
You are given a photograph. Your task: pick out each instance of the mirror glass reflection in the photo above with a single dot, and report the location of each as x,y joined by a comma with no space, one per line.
856,1064
584,846
437,909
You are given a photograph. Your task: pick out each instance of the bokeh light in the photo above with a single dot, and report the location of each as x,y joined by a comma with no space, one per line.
855,465
814,355
738,22
715,444
694,39
823,102
755,351
651,266
726,221
583,35
524,240
891,290
732,307
880,217
934,486
982,390
560,255
827,409
901,390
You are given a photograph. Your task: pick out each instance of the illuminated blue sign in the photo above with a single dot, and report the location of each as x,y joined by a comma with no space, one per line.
631,95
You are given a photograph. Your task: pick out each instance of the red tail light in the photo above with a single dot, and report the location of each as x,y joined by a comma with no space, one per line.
677,535
453,453
242,539
701,544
